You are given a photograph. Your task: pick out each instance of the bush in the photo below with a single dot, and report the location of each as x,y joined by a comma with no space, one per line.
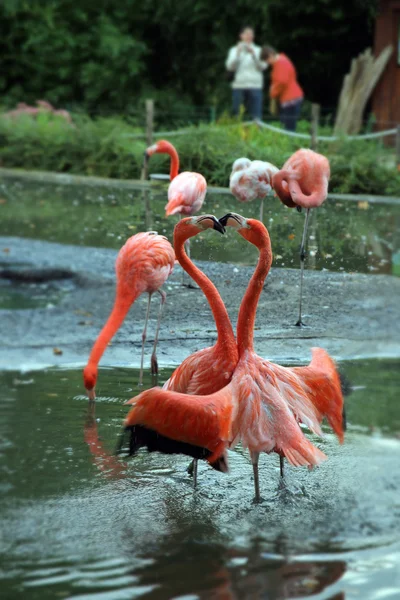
103,147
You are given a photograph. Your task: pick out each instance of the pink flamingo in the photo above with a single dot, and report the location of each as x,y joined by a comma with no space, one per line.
260,407
303,183
250,180
210,369
143,264
186,191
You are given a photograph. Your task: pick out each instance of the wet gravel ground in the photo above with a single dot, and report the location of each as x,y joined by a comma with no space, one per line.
351,315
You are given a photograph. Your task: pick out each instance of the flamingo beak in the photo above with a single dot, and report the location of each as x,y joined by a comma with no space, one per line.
233,220
208,222
218,226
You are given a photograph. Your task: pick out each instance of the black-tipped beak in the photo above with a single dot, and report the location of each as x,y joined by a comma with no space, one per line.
224,220
218,226
146,157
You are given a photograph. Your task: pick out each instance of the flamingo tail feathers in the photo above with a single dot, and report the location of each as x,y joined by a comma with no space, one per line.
138,436
323,378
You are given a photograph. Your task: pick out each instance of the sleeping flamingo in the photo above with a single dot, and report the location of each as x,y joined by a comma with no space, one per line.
260,407
187,191
303,183
143,264
209,369
250,180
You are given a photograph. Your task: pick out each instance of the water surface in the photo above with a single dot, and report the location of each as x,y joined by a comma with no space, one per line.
344,235
79,523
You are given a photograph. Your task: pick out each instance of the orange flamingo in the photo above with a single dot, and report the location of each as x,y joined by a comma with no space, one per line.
261,407
303,183
209,369
143,264
186,191
250,180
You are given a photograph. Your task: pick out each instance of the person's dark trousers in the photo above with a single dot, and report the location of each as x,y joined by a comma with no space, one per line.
252,100
289,115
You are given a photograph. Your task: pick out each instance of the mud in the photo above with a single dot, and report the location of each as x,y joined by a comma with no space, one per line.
351,315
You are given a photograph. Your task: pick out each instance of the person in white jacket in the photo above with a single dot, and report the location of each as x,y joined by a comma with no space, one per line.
247,68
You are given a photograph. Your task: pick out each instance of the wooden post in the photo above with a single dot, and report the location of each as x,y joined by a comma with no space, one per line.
149,135
315,110
398,146
149,121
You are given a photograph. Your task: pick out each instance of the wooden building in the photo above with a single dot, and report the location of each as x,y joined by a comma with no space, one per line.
386,97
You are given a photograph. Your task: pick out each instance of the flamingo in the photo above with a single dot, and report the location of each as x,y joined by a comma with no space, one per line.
260,407
303,183
250,180
143,264
209,369
187,191
311,393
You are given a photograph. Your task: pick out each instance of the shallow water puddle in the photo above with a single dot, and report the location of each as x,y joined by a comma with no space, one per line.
344,236
79,523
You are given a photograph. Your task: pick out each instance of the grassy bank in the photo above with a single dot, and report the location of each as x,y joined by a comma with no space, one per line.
102,147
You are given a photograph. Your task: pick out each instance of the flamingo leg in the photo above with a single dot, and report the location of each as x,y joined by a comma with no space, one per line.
254,460
144,335
302,259
154,363
261,209
281,465
195,465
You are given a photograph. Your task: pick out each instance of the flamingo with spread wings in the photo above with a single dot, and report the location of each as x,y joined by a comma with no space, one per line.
261,407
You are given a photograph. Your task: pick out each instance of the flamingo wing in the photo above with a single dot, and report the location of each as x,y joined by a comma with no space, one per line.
322,379
202,373
199,426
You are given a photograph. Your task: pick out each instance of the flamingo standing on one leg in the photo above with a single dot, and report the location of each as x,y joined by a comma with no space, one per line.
303,183
143,264
187,191
261,406
209,369
250,180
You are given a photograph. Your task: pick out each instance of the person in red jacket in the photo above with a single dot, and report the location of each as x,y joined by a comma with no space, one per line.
284,87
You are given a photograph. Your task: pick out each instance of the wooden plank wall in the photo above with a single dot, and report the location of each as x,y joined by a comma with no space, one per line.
386,98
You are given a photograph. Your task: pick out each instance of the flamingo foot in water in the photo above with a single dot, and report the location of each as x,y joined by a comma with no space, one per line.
154,364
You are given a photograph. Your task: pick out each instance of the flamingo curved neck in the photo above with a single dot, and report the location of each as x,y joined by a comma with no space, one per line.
248,306
172,153
220,314
120,309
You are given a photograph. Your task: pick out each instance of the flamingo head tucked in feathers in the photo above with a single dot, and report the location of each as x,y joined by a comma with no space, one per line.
191,226
250,180
251,230
89,380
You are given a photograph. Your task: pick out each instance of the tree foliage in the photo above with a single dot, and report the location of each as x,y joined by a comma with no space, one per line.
104,55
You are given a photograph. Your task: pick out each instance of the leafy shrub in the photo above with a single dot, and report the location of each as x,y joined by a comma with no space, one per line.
103,147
